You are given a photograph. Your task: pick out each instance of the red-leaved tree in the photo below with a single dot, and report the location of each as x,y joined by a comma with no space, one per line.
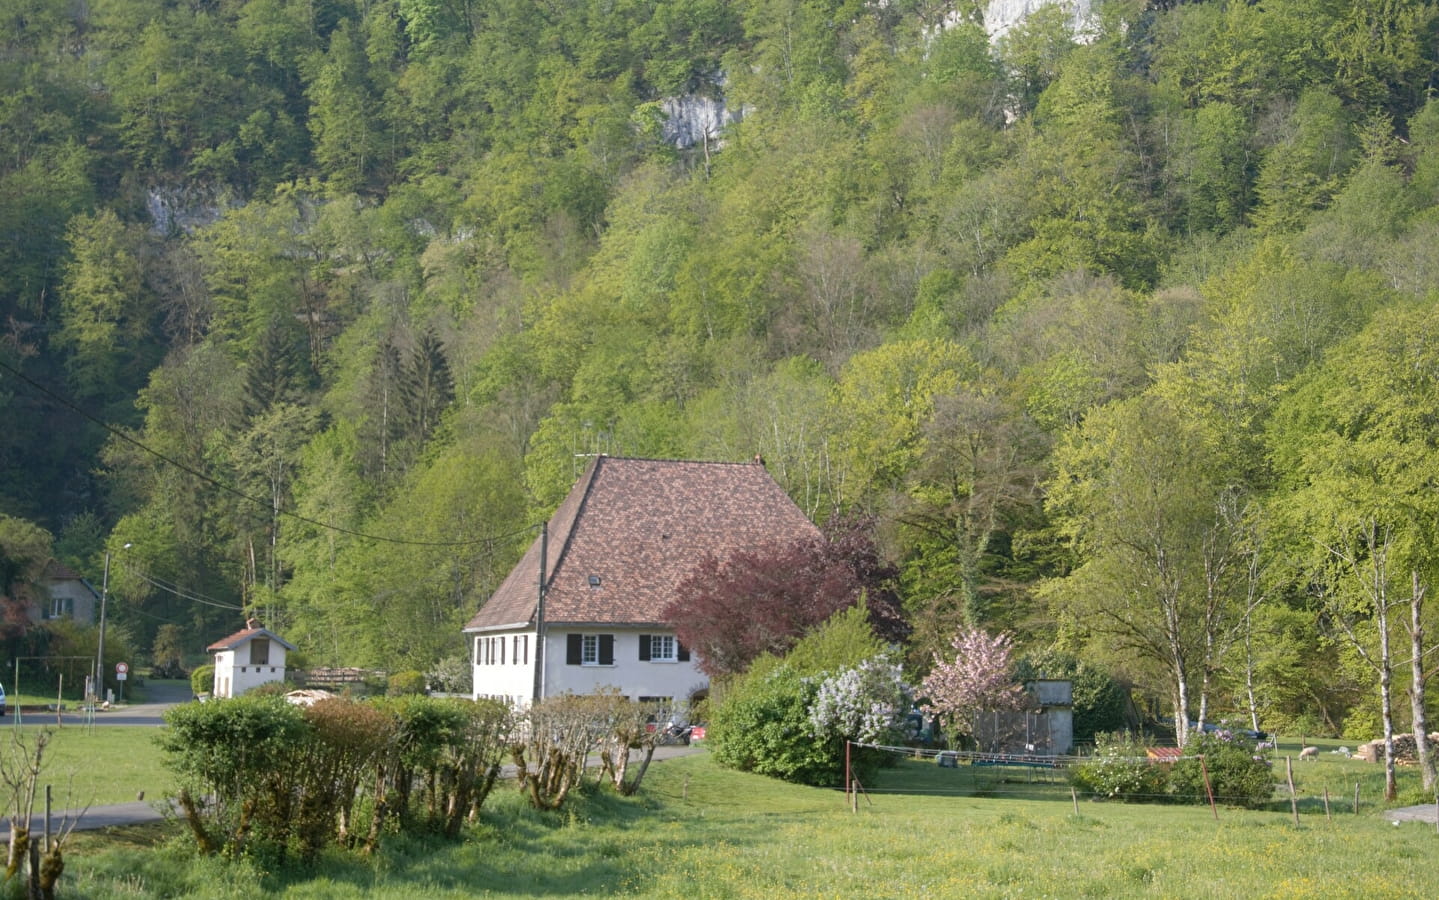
978,680
732,609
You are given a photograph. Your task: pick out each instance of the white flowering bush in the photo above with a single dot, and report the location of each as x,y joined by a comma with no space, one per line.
864,703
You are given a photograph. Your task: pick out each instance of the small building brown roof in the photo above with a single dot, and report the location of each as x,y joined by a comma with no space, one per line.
246,634
631,530
58,571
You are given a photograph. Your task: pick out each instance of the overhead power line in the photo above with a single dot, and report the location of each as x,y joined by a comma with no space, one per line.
230,489
180,592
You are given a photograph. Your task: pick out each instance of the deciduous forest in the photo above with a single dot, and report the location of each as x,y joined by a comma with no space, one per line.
1122,328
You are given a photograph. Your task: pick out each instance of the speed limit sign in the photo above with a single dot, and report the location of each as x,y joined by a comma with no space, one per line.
122,671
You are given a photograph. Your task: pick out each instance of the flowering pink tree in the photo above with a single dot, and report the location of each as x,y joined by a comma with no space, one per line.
978,680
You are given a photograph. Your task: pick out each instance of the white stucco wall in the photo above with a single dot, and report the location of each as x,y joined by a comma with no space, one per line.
631,676
235,673
513,679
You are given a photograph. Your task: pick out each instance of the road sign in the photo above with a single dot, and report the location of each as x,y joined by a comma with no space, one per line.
121,668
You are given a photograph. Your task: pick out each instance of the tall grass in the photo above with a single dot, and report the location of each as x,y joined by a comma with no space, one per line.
697,831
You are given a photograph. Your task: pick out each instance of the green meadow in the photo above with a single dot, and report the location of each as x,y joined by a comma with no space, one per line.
94,765
698,831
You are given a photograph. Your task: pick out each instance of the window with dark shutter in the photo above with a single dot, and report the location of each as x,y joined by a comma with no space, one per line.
644,648
607,649
684,654
572,649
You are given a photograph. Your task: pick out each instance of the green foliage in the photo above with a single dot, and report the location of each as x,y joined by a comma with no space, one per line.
452,675
270,689
1236,775
233,760
762,724
202,679
167,652
261,776
1119,769
407,259
845,640
1363,724
406,683
763,727
24,550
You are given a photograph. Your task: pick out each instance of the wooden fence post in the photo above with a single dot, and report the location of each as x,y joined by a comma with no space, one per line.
1293,800
1208,789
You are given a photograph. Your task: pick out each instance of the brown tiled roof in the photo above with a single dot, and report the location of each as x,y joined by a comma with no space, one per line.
245,634
58,571
632,529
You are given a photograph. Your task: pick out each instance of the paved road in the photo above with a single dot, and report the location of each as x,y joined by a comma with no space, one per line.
159,696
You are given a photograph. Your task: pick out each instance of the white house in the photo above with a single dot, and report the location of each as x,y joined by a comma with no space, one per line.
582,609
247,659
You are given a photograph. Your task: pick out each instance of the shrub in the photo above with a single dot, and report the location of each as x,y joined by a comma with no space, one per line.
764,727
763,724
270,689
1119,769
865,703
406,684
1363,724
1236,775
452,675
234,760
348,739
202,679
558,734
451,749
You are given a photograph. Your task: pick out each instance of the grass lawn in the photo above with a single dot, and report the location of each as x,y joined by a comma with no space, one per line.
697,831
98,765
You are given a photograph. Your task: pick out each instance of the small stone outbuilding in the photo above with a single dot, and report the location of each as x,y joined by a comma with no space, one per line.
247,659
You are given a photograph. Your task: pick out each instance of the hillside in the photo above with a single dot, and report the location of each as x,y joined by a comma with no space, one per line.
1124,334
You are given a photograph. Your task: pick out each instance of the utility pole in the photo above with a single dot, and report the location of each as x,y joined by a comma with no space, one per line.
99,686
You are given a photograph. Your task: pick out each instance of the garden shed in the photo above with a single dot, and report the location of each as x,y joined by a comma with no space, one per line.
247,659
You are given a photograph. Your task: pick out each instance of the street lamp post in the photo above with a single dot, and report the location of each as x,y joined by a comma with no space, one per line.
99,686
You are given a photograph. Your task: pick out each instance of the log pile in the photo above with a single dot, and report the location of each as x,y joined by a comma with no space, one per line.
1405,753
